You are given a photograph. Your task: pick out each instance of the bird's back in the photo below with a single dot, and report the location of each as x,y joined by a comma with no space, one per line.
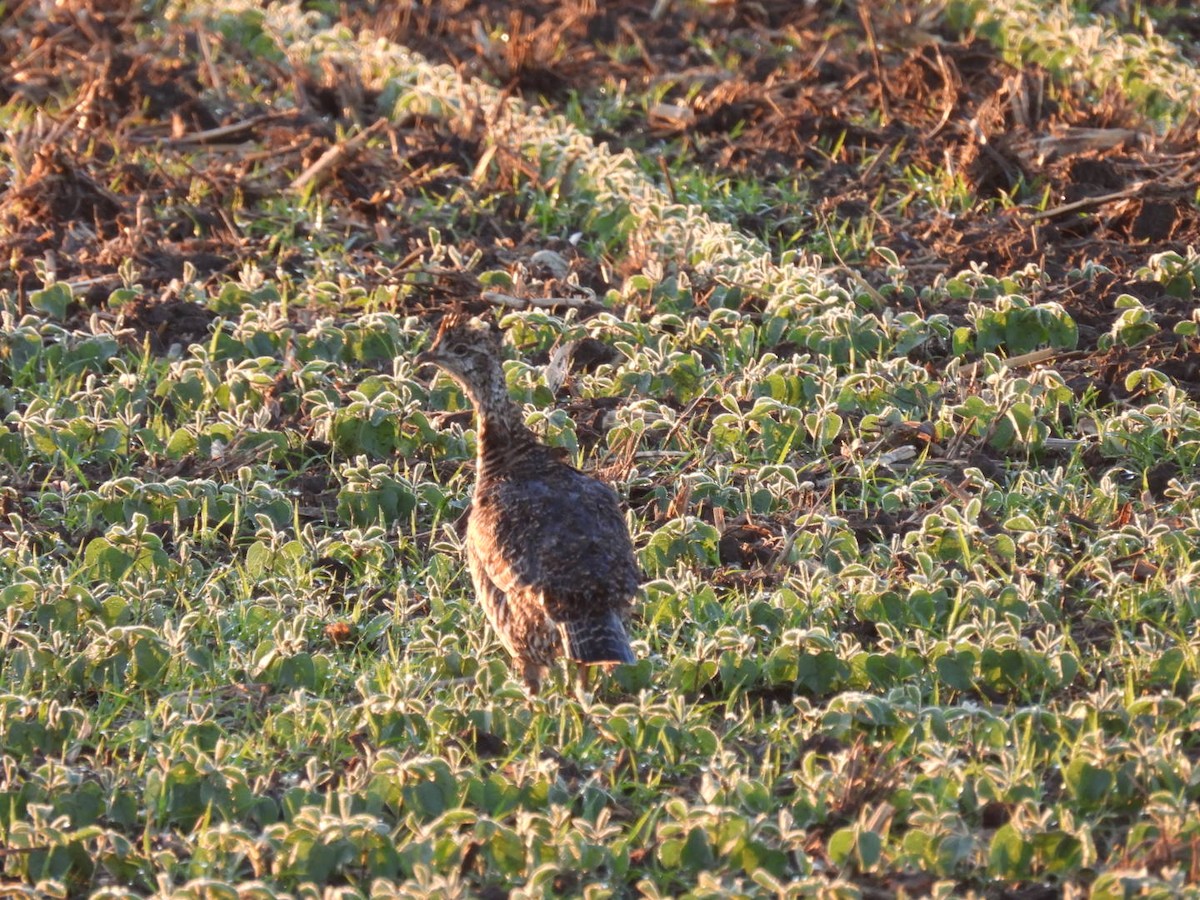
548,530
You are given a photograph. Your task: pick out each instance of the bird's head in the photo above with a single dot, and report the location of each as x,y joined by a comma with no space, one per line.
468,349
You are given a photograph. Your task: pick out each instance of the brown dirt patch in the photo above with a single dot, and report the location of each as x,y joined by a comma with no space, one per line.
169,321
859,113
856,106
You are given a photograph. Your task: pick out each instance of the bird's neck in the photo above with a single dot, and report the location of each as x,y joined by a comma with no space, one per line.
503,437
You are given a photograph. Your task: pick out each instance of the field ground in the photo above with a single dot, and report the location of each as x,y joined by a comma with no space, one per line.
883,322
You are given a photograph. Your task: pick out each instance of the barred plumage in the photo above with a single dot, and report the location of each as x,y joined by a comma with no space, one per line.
547,547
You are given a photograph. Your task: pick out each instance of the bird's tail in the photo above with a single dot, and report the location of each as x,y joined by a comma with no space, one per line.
597,639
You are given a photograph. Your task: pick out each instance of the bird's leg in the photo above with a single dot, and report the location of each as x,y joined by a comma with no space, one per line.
582,673
532,675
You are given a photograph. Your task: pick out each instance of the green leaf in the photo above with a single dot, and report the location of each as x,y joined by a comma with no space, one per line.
1169,669
697,852
690,675
321,860
1147,380
1089,784
957,670
670,853
962,341
870,849
738,671
297,671
1020,522
888,669
1004,669
507,851
53,300
856,847
684,539
888,255
1024,330
820,672
1059,852
1134,325
1009,856
258,559
755,857
150,657
496,278
122,296
106,561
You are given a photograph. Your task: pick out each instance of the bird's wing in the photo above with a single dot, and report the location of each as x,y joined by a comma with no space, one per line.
558,540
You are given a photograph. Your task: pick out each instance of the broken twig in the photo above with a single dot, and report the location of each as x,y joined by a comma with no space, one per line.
331,158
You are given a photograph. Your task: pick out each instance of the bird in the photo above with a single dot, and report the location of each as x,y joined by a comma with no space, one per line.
550,556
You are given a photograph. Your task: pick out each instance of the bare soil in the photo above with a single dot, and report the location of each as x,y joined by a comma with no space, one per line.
125,160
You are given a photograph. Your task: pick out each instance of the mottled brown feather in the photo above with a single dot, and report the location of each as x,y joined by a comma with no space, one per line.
549,554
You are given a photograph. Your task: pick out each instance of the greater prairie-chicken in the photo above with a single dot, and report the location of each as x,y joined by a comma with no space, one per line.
549,554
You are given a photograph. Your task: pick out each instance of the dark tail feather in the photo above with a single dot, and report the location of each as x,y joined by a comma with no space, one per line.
597,639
